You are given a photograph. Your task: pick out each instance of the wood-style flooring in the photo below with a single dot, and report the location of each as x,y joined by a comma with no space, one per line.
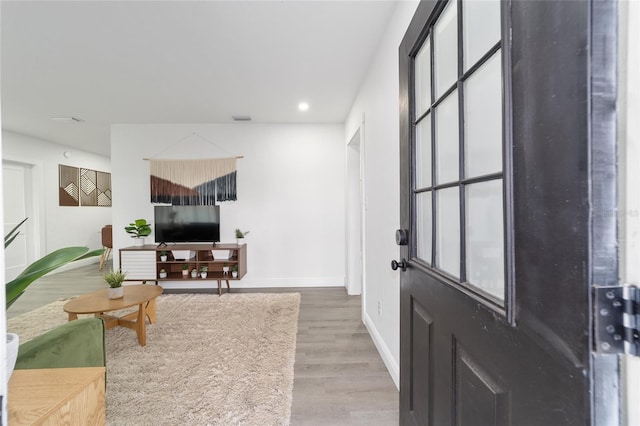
339,377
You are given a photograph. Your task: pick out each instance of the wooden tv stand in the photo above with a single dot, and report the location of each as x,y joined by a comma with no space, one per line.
144,264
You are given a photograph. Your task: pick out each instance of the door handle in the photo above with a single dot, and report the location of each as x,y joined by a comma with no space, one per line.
402,264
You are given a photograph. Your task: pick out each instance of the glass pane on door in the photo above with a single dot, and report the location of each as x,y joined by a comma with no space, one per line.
447,140
448,230
484,237
446,49
448,135
423,78
423,226
483,119
480,29
423,153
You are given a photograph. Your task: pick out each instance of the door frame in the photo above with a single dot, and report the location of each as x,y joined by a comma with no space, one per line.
355,213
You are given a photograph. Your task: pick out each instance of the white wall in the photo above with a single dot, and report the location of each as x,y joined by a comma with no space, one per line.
59,226
290,193
378,102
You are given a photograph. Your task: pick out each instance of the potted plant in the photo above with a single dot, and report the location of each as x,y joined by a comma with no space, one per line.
203,271
225,269
240,236
139,229
234,271
115,279
185,270
194,273
163,273
163,256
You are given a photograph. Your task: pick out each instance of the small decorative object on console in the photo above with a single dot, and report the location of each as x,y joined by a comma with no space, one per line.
185,270
183,254
163,273
203,271
139,229
221,254
240,236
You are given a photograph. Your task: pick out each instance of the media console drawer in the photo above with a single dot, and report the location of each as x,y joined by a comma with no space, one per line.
138,264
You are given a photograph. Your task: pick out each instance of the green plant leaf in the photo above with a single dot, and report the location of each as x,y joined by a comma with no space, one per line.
43,266
141,222
8,239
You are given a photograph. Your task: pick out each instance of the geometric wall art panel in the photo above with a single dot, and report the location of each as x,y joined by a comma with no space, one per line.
68,186
103,188
84,187
88,181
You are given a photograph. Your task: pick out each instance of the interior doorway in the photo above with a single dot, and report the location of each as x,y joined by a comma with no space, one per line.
19,204
355,214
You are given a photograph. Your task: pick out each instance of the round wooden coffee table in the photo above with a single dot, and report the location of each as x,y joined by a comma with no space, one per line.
97,303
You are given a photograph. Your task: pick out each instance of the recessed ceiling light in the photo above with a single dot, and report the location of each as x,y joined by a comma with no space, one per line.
303,106
241,117
67,119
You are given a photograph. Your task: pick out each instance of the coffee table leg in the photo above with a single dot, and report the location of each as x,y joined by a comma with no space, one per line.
151,311
141,329
72,316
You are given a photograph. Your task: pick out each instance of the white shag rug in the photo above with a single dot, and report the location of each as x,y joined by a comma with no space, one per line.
209,360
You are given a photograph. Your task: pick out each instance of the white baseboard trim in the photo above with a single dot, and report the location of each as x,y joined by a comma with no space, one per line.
383,349
259,283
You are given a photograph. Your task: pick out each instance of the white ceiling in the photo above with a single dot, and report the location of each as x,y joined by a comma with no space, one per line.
181,62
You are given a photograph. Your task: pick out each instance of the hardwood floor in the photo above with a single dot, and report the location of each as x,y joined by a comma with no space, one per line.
339,377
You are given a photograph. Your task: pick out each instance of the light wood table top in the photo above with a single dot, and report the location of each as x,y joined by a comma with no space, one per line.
99,301
57,396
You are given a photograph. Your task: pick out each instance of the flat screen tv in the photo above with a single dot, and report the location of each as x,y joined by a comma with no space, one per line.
187,224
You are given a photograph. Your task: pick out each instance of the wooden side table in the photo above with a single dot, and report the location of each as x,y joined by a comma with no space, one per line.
56,396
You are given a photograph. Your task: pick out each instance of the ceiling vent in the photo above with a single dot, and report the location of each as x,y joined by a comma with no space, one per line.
241,117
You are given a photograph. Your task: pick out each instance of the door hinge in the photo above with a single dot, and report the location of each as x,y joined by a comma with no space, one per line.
617,319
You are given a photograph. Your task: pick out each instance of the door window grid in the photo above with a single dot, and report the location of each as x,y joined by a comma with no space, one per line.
489,285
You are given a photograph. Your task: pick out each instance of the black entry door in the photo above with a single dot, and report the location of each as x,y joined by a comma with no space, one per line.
507,147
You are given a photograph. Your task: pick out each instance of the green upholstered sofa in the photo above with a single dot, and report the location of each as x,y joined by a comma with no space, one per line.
78,343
